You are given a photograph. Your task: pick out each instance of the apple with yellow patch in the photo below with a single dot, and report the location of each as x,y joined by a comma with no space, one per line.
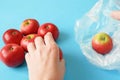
102,43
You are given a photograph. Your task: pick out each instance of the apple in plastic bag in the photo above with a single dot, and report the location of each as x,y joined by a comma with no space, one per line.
102,43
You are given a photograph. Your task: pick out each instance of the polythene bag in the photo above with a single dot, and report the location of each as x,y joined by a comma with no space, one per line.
97,20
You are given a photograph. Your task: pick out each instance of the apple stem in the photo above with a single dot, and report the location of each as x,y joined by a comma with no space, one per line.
28,37
102,38
11,48
47,27
26,23
13,33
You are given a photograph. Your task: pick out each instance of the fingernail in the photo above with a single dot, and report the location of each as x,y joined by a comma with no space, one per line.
49,33
30,43
111,14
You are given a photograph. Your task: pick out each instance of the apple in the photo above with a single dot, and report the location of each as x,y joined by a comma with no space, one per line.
48,27
27,39
12,55
12,36
29,26
102,43
60,54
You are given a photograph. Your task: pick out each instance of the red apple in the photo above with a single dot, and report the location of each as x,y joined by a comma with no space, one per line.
48,27
12,36
60,54
29,26
27,39
12,55
102,43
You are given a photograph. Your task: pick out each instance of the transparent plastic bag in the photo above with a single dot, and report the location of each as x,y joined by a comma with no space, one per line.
96,20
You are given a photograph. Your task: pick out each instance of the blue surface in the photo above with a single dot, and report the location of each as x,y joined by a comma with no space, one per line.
63,13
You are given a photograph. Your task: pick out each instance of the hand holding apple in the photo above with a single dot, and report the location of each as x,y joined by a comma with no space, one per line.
12,54
102,43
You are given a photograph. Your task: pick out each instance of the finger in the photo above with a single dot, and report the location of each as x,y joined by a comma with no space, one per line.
27,57
31,47
54,55
115,15
62,61
62,65
39,43
49,39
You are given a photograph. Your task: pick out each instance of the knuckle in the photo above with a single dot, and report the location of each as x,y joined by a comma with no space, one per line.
54,47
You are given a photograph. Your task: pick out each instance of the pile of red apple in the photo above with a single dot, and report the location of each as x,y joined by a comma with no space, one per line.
13,52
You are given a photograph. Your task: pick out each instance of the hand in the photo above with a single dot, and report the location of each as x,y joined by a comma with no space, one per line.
43,59
116,15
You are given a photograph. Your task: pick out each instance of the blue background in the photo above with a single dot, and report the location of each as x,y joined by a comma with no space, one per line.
63,13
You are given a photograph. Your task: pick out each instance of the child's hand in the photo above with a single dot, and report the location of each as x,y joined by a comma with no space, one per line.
116,15
43,59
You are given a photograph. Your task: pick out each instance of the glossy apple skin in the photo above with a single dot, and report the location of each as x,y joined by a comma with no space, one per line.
12,55
102,43
12,36
29,26
48,27
28,39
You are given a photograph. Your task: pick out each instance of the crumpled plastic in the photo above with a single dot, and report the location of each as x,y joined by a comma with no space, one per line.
96,20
